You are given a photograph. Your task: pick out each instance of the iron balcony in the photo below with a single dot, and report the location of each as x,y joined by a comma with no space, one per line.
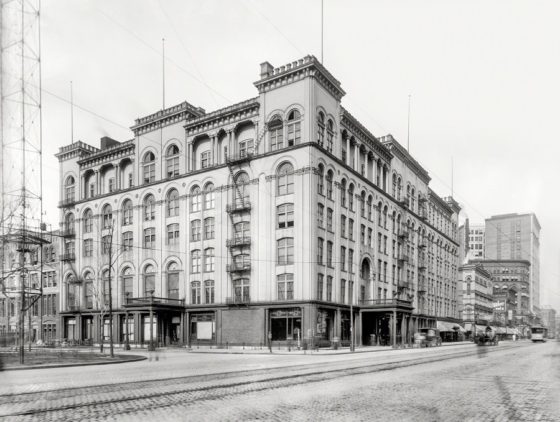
238,241
238,267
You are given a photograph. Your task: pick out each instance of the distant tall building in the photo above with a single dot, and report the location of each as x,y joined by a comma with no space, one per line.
548,317
476,241
516,237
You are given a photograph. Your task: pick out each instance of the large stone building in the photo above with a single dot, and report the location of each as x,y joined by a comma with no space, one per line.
516,237
548,318
272,217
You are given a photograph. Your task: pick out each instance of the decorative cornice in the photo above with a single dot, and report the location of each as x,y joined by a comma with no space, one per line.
235,113
398,150
309,66
364,135
109,154
76,149
166,117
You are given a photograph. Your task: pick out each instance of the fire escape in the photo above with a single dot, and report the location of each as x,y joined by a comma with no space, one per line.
239,210
404,283
422,259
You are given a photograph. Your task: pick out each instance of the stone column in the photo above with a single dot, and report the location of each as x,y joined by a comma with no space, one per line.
366,165
190,157
347,142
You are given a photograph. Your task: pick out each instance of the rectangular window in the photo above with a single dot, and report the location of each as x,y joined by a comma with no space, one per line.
343,226
209,291
88,247
195,230
285,284
379,242
245,147
172,166
320,215
195,261
320,251
209,260
241,289
320,279
285,251
363,234
343,258
173,234
205,159
149,172
385,245
209,228
294,133
285,216
111,184
329,219
127,241
350,229
351,261
329,288
195,292
130,180
329,253
343,291
150,238
105,245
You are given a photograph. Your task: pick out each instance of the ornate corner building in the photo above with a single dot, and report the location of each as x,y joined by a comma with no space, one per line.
281,217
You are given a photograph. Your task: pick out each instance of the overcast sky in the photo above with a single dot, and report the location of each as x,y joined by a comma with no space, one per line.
484,80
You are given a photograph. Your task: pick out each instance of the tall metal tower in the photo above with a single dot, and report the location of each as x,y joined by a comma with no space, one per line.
21,159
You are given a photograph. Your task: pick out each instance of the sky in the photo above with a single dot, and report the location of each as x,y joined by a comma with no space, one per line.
482,78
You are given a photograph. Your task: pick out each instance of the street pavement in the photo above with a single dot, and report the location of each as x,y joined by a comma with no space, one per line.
513,381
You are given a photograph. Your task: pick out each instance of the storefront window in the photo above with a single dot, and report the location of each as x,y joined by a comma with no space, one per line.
285,324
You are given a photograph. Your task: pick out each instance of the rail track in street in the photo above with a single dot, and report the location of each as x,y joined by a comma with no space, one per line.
126,397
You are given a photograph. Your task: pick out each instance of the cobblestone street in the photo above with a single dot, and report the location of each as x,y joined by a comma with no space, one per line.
514,381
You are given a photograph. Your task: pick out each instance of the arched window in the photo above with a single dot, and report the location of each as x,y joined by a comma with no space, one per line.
209,196
127,282
105,279
70,189
88,221
149,167
412,199
343,193
276,133
351,197
195,199
285,251
330,135
321,128
172,158
242,186
379,215
173,280
89,290
285,180
320,179
149,280
149,208
107,216
127,212
172,203
294,128
330,184
69,223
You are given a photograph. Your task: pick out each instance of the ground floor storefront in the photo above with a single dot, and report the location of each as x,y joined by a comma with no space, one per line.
296,324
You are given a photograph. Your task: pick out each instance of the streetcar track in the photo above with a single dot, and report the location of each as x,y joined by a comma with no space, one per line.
169,398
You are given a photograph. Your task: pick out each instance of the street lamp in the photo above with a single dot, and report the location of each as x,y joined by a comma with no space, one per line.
151,346
126,343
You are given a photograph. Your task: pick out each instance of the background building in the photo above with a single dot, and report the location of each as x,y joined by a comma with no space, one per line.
476,241
275,217
476,304
516,237
548,318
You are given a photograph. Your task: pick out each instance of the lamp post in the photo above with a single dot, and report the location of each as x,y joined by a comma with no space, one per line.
151,347
126,342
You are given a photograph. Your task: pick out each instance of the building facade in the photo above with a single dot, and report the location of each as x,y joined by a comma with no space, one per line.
516,237
476,302
41,280
476,241
278,218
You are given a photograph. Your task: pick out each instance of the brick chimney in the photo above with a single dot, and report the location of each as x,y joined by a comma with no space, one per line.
107,142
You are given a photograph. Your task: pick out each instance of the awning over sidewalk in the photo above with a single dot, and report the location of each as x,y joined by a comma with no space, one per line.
449,326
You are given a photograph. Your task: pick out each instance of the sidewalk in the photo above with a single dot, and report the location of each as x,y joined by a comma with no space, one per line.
295,351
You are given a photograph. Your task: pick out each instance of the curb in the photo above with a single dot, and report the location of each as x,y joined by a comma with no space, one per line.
135,358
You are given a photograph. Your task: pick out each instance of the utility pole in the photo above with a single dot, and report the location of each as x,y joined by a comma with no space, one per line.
111,351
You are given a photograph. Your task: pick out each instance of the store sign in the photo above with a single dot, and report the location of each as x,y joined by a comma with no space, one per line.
284,313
